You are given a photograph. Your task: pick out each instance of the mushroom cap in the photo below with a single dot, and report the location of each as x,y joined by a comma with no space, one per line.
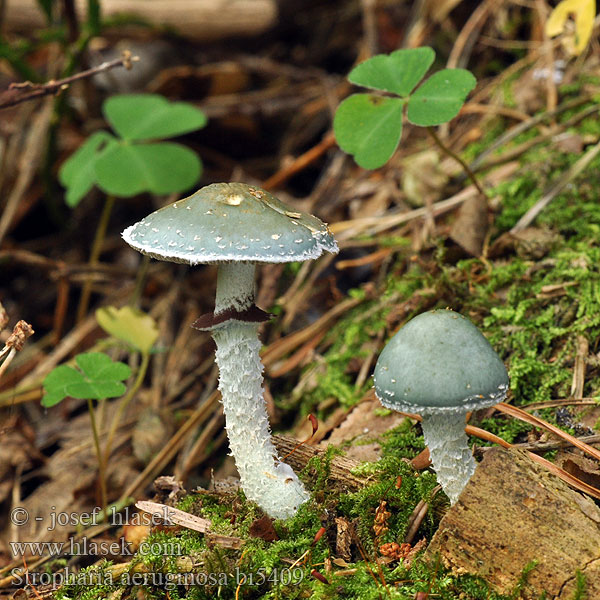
439,361
230,222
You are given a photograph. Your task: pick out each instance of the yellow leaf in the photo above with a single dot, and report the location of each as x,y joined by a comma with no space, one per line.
584,12
130,325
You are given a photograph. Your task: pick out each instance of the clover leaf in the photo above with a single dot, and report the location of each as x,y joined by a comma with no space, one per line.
398,72
96,377
376,130
78,174
136,161
369,126
440,98
156,117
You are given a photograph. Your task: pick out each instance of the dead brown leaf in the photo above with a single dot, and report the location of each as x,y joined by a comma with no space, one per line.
470,227
263,528
343,538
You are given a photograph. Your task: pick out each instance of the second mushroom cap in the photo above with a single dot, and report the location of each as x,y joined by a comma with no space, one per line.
439,361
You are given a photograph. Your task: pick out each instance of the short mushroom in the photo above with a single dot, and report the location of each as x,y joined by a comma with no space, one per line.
440,366
236,226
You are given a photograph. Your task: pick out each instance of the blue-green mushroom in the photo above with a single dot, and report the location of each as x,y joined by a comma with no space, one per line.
237,226
440,366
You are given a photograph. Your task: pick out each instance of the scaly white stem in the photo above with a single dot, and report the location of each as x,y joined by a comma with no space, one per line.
451,456
273,485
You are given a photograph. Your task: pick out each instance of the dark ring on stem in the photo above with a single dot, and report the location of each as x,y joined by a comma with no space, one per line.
253,314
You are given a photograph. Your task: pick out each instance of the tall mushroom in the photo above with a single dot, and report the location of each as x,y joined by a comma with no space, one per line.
236,226
440,366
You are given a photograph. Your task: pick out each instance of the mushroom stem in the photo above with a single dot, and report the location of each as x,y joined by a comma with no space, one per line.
235,286
449,450
273,485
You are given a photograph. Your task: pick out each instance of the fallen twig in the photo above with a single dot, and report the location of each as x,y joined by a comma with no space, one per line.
556,444
517,130
201,414
174,516
340,467
300,163
520,414
23,92
418,515
574,401
371,225
292,341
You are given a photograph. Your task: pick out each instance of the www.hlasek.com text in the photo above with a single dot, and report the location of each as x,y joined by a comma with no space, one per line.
90,547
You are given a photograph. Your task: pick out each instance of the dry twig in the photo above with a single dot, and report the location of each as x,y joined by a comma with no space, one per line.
23,92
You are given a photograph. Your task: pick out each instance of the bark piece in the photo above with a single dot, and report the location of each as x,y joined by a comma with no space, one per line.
582,467
513,512
340,467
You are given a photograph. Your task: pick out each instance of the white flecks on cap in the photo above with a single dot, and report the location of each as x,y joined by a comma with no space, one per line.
235,232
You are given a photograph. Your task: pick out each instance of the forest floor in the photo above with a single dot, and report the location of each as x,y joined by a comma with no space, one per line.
522,264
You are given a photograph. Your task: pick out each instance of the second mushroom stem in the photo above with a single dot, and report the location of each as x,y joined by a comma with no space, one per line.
452,459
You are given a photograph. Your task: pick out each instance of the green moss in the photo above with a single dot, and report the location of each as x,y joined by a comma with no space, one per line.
352,337
497,127
402,441
90,583
580,584
521,584
401,488
318,469
284,568
537,334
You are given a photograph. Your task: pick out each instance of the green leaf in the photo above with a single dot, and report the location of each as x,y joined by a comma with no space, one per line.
123,168
130,325
99,367
97,377
151,117
78,173
57,382
398,72
162,168
441,97
369,127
